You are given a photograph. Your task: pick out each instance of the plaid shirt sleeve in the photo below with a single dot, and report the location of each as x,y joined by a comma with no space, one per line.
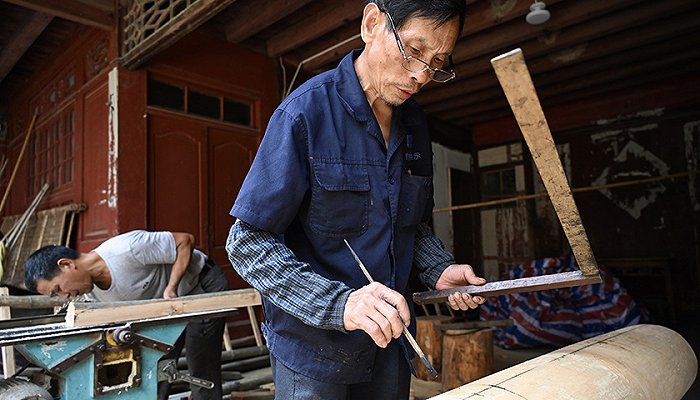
430,256
269,266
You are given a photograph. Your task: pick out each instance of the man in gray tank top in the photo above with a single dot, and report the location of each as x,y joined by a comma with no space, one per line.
141,265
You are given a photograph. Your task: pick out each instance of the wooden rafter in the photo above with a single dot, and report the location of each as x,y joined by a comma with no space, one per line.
21,40
480,16
605,30
314,27
161,36
251,17
86,13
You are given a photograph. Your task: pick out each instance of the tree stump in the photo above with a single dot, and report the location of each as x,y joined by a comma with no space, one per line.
467,355
429,338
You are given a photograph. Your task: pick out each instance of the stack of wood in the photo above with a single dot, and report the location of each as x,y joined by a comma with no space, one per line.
245,372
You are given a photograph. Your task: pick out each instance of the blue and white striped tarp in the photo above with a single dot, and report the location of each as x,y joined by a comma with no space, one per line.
559,317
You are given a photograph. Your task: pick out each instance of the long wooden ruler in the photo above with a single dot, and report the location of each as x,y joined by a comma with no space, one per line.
517,85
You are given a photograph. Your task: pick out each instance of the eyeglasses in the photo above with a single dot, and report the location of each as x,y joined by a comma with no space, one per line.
413,64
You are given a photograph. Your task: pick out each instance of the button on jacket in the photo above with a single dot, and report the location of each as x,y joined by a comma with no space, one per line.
323,174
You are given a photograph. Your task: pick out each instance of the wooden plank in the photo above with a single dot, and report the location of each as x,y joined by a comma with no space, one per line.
21,40
8,352
72,10
90,314
314,27
249,18
175,29
530,284
515,79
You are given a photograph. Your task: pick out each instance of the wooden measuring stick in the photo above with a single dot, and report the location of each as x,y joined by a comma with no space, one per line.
515,79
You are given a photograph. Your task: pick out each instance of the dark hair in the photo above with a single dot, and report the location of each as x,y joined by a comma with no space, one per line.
439,10
43,264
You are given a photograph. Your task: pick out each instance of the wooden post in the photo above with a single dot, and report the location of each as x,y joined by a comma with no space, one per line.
429,338
8,352
467,355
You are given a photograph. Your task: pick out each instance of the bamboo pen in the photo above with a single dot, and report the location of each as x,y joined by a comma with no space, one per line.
406,333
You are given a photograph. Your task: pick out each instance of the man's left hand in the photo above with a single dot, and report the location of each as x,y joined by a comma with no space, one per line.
169,293
457,275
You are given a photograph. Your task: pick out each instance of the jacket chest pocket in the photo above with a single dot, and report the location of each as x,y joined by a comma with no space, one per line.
339,198
415,196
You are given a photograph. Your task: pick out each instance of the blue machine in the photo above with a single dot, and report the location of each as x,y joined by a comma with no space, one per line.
117,361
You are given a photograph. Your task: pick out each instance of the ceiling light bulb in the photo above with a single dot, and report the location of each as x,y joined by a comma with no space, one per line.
538,14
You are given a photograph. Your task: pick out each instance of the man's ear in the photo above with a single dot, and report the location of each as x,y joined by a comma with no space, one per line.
65,263
372,22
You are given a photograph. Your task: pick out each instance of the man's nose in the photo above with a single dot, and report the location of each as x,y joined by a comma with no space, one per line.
422,77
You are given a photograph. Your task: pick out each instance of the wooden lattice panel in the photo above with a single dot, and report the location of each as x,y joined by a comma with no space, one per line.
145,17
52,226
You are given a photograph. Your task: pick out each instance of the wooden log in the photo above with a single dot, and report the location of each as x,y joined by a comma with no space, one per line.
236,354
247,364
645,362
429,338
251,380
91,314
31,301
467,356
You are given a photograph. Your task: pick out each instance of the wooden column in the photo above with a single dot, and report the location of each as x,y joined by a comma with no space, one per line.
429,338
637,362
467,355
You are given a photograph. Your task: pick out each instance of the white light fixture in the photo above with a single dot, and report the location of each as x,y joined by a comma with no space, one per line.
538,14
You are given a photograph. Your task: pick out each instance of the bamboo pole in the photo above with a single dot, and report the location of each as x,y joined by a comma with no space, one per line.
19,160
576,190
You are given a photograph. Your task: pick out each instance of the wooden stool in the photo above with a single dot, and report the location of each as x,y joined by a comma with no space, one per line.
429,338
467,355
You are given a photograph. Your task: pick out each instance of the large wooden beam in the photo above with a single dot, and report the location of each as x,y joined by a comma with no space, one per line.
638,362
314,26
251,17
91,314
73,10
21,40
175,29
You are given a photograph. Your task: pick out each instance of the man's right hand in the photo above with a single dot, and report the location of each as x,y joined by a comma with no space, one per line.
377,310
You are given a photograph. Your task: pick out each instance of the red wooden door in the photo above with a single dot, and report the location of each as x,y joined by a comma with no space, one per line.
196,169
231,152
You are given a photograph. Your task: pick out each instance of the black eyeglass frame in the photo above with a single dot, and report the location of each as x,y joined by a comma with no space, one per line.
450,75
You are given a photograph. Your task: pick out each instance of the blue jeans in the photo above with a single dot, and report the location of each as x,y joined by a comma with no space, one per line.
391,380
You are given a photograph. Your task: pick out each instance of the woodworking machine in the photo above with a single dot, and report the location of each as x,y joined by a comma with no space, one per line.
109,361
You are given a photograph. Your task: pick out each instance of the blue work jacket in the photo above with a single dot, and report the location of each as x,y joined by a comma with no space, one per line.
323,174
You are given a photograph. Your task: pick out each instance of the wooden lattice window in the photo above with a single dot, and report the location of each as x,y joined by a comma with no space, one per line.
145,17
52,152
